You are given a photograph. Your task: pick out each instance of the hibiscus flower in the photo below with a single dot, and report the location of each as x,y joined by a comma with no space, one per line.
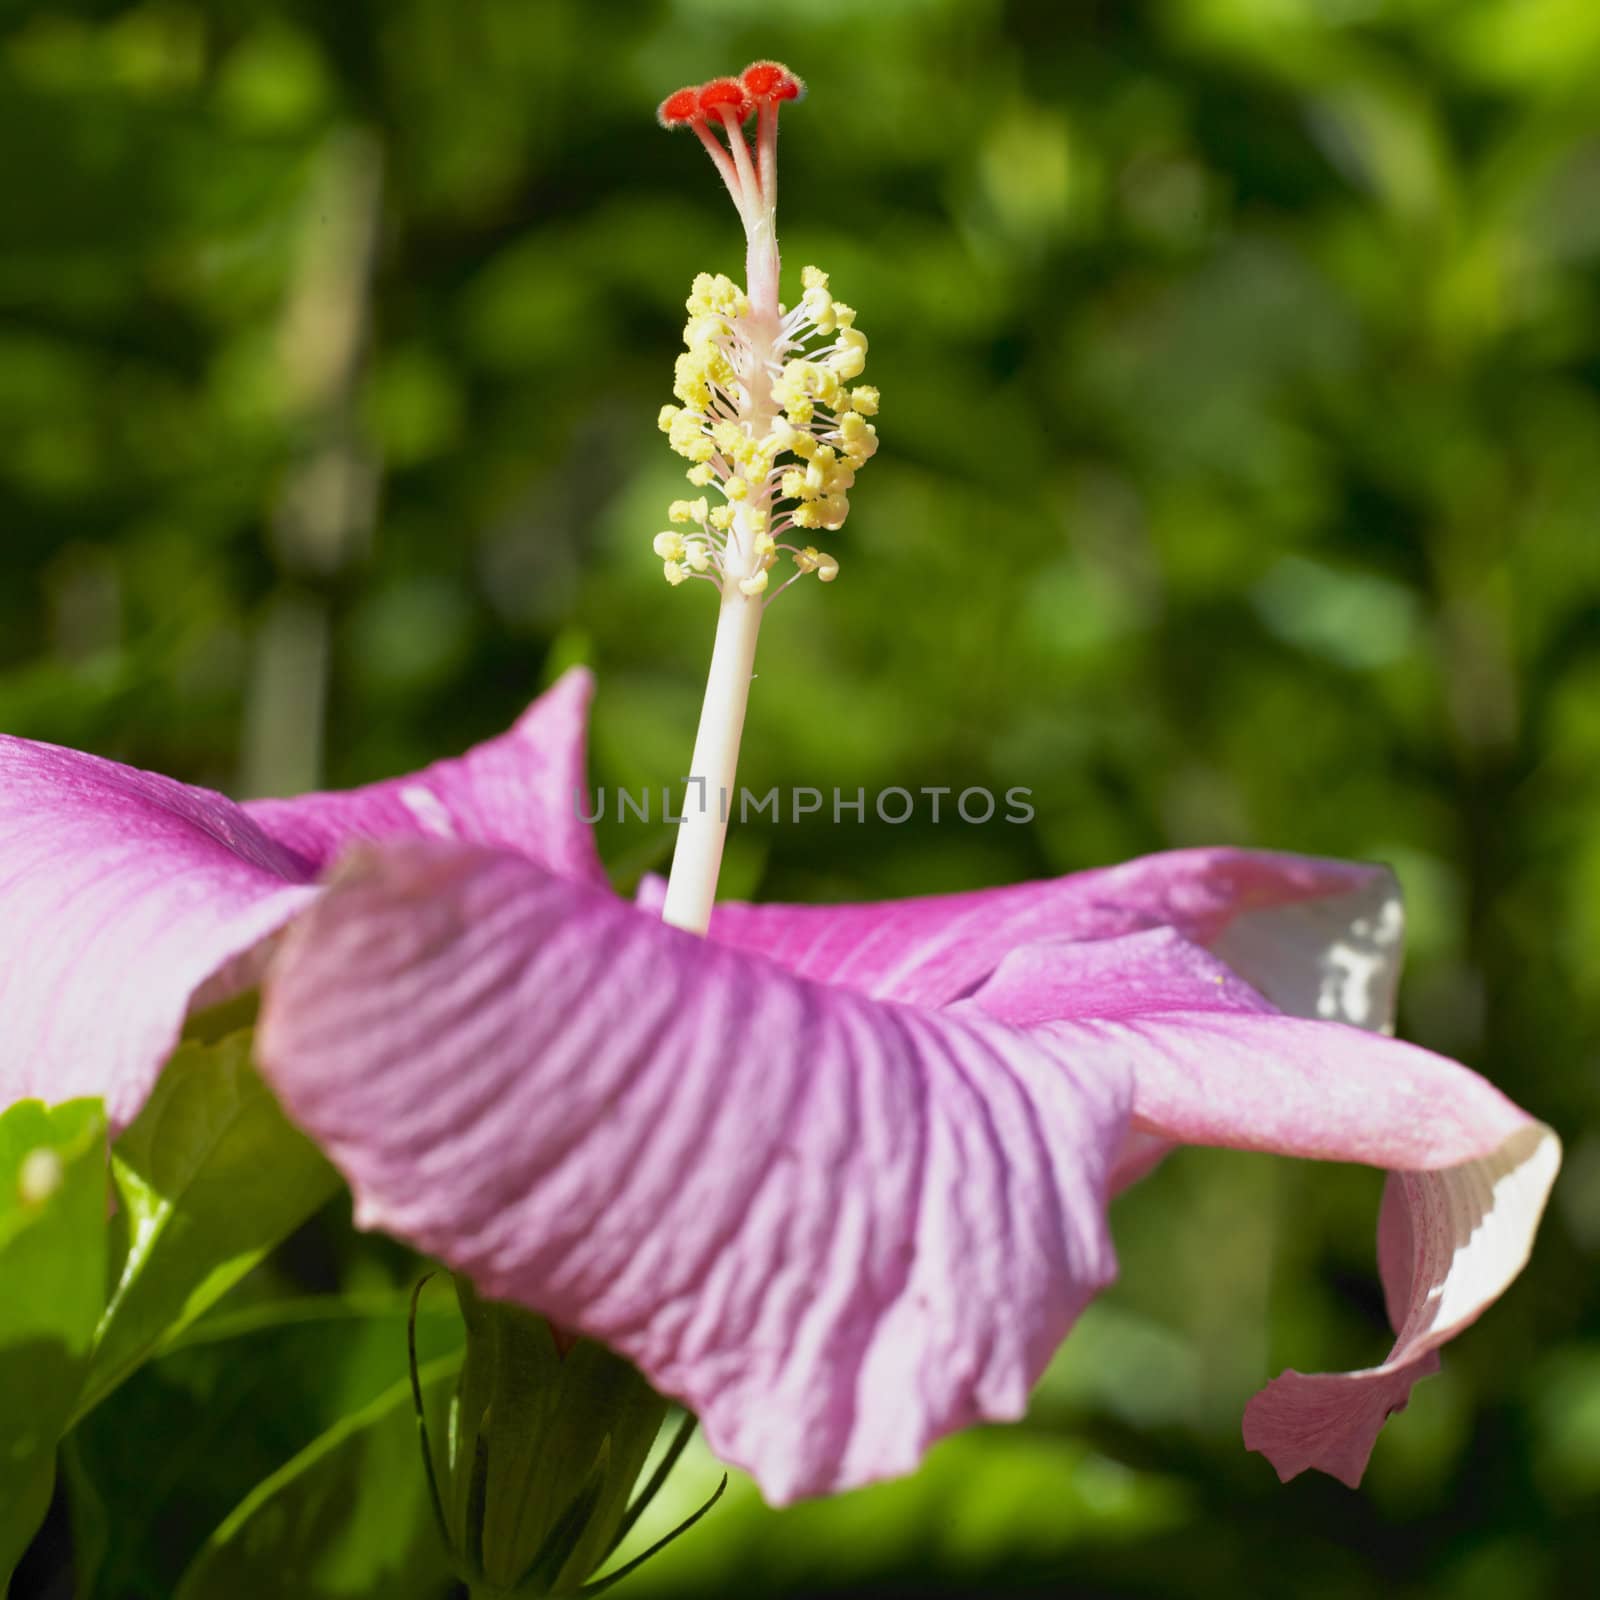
836,1177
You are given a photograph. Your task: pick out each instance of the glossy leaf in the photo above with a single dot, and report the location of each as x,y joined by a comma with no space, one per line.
52,1271
209,1177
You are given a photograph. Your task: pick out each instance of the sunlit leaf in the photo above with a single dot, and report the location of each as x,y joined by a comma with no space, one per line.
52,1270
209,1178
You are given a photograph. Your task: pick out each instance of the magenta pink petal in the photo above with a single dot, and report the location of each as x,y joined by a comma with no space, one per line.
838,1228
523,790
1318,938
128,897
123,893
1473,1171
1471,1229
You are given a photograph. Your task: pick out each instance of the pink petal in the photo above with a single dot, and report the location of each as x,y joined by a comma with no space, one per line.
524,790
1318,938
838,1228
1472,1170
1472,1227
123,892
127,897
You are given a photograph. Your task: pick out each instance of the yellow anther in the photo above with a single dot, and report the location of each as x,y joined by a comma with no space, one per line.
729,435
808,559
819,308
850,360
736,488
865,448
689,380
701,476
673,573
668,545
765,544
698,557
666,417
753,585
814,278
844,316
701,333
755,519
687,510
793,484
827,568
721,517
865,400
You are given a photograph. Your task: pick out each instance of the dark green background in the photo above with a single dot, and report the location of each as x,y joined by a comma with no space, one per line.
1240,483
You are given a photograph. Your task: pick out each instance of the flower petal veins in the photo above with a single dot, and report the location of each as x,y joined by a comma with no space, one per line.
836,1227
1470,1171
129,897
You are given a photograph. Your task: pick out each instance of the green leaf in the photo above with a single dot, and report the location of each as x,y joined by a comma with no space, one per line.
210,1176
347,1517
189,1436
52,1275
540,1417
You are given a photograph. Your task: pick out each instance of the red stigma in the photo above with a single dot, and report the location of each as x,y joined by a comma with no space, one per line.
725,94
680,108
771,80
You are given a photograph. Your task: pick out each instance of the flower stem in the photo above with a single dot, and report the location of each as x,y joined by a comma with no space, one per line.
697,859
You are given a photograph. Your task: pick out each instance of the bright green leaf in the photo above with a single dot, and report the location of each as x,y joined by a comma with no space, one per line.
210,1177
52,1274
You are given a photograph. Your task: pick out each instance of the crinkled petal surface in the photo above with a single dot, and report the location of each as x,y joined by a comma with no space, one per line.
1318,938
1472,1171
834,1226
126,894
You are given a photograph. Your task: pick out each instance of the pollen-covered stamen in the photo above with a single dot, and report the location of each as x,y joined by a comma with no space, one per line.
771,425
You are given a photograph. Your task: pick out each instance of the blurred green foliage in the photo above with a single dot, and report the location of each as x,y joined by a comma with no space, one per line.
1241,482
